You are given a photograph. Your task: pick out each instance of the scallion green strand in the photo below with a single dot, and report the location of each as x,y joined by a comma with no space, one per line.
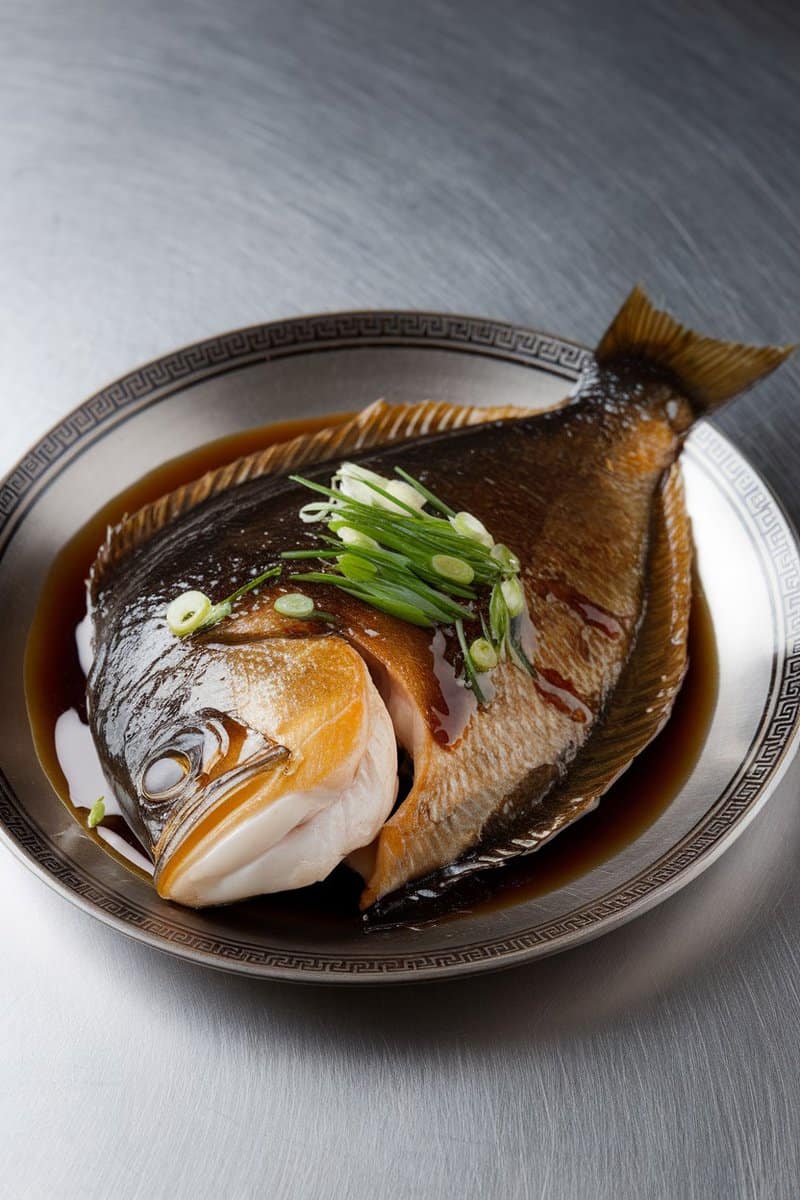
469,666
434,501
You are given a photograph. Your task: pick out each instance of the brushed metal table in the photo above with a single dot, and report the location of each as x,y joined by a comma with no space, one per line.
167,172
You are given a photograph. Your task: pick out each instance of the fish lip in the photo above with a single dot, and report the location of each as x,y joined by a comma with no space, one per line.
205,799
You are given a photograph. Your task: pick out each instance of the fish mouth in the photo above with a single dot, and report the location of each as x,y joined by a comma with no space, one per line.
209,806
283,820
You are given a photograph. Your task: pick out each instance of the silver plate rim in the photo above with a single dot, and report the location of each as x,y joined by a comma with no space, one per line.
156,380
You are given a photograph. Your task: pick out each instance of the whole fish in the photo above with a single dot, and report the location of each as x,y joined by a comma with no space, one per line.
258,755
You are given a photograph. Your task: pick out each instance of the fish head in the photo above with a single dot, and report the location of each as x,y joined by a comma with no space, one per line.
192,764
231,747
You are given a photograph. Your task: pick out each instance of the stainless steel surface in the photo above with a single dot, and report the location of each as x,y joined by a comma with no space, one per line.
748,565
170,173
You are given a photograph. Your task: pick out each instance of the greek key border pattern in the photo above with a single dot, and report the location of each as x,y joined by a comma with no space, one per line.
274,340
525,346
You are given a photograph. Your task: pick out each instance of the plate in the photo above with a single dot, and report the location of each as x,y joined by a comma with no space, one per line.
747,561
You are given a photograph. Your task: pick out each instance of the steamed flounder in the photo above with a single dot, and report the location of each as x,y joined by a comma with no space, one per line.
257,755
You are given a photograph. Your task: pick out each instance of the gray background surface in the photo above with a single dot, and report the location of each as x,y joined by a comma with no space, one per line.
168,171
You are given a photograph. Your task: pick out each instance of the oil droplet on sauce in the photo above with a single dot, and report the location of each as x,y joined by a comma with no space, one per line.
58,655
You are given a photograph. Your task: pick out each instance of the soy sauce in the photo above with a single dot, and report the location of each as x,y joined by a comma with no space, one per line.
55,684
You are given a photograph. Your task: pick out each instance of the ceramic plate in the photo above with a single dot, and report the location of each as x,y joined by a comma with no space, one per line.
747,561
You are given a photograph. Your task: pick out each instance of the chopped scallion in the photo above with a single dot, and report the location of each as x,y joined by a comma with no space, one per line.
470,527
352,537
187,612
483,654
450,567
356,568
294,604
193,612
428,567
250,586
506,558
513,595
470,670
429,497
96,813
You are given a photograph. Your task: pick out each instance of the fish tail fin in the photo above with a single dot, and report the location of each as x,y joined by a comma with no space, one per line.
709,371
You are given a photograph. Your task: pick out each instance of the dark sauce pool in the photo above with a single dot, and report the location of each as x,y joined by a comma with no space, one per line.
54,685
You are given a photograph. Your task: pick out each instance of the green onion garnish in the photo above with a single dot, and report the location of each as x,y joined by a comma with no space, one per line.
470,667
506,558
187,613
429,568
454,569
351,537
96,813
294,604
396,546
193,611
271,573
355,568
483,654
429,497
513,595
470,527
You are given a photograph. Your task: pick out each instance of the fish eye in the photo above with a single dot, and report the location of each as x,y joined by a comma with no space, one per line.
165,774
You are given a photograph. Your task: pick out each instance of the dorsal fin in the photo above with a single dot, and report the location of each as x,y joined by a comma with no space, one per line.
380,424
709,371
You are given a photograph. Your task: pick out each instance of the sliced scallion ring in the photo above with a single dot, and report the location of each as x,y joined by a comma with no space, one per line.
187,613
450,567
505,557
513,595
294,604
470,527
483,654
96,813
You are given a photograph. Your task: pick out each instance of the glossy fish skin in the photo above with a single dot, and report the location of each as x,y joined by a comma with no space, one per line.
638,709
573,492
292,725
574,502
514,750
233,703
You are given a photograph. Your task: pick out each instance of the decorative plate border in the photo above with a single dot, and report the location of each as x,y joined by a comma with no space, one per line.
230,351
277,339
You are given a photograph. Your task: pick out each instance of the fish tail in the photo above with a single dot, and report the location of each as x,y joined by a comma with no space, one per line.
709,371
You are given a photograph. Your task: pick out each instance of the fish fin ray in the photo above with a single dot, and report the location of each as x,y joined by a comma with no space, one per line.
710,371
380,424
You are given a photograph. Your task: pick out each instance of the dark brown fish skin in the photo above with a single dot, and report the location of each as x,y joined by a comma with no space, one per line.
572,492
146,688
145,684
